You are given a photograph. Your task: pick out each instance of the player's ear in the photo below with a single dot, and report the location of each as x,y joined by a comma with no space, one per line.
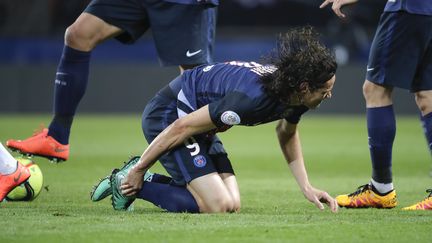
303,87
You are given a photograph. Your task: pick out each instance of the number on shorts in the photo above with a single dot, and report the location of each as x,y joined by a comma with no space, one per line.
192,144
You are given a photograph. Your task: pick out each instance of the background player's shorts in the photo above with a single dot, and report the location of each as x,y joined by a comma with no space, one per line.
401,52
183,33
199,156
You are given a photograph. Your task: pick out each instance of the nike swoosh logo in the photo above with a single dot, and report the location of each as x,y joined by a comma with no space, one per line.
191,54
16,178
369,69
57,150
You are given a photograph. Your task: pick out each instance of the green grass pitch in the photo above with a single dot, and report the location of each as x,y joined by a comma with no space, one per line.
273,208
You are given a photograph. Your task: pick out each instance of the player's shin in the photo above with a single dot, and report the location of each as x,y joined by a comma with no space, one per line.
171,198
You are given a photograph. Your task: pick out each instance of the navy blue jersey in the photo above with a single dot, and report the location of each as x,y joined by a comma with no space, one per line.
234,94
423,7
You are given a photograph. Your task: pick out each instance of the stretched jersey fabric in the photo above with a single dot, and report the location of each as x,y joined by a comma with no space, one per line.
423,7
234,94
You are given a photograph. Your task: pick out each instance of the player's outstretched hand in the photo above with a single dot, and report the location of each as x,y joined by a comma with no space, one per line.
319,197
133,182
337,5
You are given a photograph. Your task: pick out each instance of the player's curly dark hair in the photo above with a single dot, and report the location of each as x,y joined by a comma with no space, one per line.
299,57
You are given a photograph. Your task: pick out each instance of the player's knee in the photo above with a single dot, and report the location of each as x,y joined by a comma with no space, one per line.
424,101
76,38
376,95
236,205
221,205
368,90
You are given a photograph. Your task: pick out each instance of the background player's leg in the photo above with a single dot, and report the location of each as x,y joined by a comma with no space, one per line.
424,102
72,73
70,85
12,173
381,124
381,131
7,163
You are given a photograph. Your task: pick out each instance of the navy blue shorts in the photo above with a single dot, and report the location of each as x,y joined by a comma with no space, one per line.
401,52
183,33
200,155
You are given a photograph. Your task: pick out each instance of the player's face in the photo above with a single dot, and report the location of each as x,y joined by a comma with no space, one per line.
314,99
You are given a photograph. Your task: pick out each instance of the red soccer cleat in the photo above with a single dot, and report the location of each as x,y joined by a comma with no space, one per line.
41,144
9,182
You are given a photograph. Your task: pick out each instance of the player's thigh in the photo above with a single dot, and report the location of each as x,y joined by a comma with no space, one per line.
129,16
88,31
231,184
183,33
397,49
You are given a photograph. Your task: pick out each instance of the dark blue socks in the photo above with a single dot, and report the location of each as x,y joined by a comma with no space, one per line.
161,178
70,85
427,128
171,198
381,125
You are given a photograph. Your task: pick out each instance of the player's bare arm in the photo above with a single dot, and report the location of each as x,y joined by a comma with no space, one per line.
337,5
194,123
289,141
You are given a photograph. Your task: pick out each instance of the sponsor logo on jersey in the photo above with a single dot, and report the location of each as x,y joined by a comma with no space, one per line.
199,161
230,118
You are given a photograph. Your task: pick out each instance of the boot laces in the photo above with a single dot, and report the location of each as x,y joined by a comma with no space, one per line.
360,190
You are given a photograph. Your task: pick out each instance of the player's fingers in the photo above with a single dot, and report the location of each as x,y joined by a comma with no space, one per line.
333,205
125,186
337,9
325,3
318,204
128,191
330,201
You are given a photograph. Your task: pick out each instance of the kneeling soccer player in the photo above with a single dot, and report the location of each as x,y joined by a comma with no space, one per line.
180,123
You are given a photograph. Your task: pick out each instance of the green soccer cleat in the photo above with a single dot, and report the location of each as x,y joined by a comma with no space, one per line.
103,188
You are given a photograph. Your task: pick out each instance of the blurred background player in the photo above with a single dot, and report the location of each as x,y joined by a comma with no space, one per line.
12,173
180,123
400,56
183,32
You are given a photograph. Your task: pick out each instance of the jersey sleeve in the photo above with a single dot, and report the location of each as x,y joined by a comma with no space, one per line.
235,108
295,115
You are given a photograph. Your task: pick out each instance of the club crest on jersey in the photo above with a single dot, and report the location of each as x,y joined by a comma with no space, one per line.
199,161
230,118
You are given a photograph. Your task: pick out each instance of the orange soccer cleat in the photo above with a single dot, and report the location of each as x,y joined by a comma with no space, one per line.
41,144
9,182
426,204
365,197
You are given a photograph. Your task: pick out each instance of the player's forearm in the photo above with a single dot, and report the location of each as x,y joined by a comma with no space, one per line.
294,156
175,134
171,137
289,141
